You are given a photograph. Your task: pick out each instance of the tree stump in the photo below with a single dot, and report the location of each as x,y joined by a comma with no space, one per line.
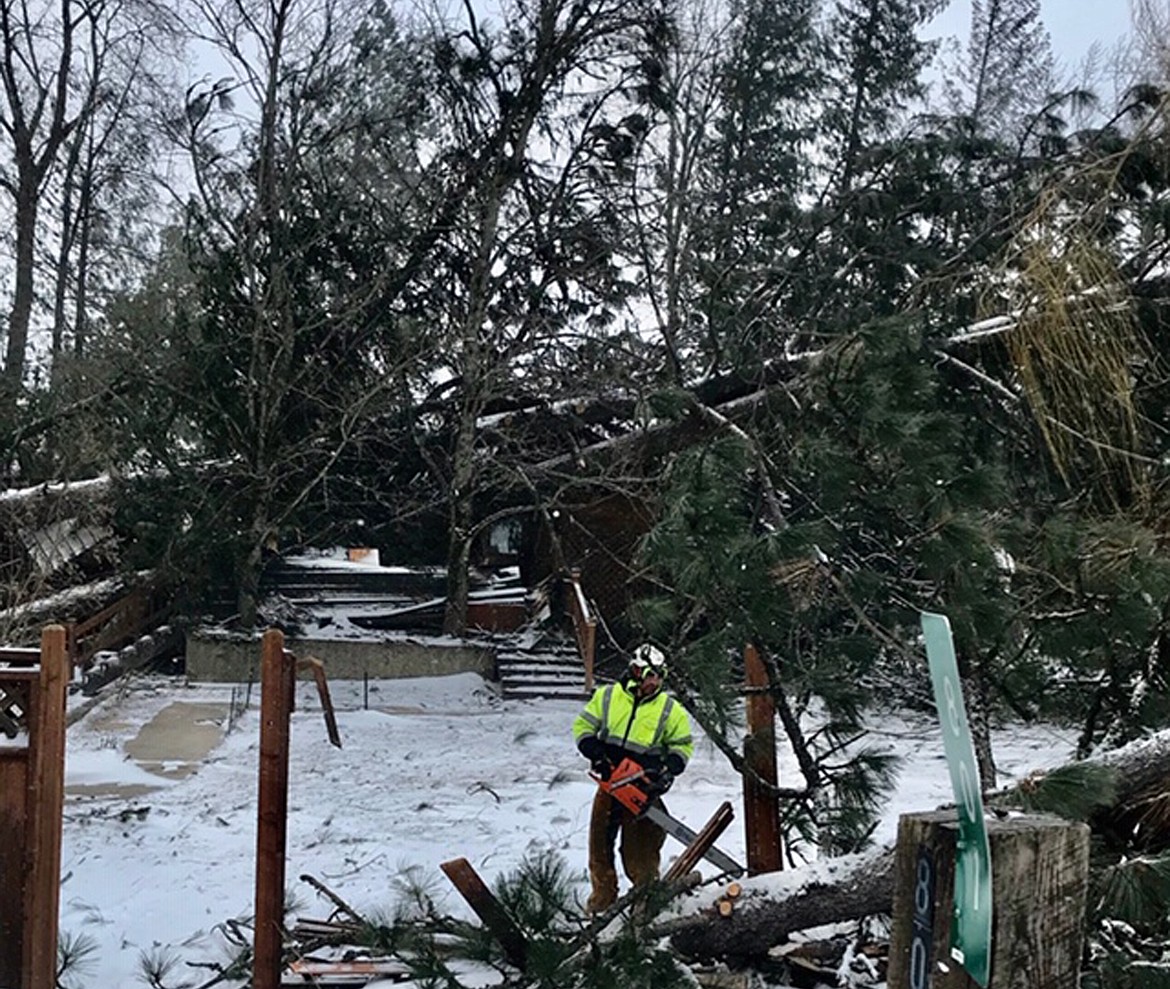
1039,875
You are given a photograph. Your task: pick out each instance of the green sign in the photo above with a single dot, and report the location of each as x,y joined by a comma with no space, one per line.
971,923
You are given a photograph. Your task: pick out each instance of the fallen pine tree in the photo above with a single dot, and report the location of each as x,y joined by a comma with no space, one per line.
1124,795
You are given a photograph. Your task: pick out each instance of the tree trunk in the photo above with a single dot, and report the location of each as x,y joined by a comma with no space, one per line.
20,316
843,888
248,589
459,522
458,564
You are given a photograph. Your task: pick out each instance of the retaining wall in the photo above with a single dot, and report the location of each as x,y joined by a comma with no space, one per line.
235,659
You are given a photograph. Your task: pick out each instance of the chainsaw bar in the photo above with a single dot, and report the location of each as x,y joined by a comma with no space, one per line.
676,829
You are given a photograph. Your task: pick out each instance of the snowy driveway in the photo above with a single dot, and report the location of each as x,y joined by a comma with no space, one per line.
159,849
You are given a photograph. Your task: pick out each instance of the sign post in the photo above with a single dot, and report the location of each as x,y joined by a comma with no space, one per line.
971,921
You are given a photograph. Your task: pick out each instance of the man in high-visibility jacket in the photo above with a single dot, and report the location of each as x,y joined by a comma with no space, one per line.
634,718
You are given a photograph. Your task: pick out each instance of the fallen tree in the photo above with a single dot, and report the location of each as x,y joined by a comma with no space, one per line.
1124,795
772,907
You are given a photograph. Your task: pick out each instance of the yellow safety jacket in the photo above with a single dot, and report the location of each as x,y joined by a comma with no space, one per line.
654,726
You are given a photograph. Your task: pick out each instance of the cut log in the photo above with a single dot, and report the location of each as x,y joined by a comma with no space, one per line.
841,889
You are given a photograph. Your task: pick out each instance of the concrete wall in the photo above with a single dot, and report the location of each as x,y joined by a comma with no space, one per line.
222,658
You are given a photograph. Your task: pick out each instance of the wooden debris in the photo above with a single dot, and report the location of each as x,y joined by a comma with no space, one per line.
703,841
488,909
725,902
350,972
717,979
333,930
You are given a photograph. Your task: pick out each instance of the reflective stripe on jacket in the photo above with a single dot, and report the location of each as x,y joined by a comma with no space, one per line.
659,724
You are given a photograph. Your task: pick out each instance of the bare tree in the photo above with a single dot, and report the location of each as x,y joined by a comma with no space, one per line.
524,108
68,73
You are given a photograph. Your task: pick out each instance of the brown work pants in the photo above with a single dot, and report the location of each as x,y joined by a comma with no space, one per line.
641,843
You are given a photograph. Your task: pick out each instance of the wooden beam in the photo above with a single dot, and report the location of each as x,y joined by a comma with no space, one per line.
277,683
680,868
761,811
488,909
46,797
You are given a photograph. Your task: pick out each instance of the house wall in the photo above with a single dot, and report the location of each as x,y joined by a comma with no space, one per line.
599,538
236,659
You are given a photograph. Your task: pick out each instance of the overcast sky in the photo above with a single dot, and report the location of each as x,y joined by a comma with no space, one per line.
1074,25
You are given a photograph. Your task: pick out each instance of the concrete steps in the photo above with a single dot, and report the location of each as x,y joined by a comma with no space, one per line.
554,671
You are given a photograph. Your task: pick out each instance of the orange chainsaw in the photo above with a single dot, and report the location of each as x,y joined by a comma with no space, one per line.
630,785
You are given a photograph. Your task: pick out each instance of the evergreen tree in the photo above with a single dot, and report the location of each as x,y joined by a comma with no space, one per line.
879,60
862,222
1007,65
755,172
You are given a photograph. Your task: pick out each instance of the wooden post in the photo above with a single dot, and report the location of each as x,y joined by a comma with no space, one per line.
19,675
1039,870
46,796
761,810
488,909
277,683
13,828
317,668
32,793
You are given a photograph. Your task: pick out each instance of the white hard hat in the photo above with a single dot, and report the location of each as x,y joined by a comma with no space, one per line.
650,658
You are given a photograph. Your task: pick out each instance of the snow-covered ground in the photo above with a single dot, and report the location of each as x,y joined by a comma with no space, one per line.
159,844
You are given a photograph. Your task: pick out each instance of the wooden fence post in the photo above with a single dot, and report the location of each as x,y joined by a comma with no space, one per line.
46,804
32,793
761,810
1039,870
19,675
277,687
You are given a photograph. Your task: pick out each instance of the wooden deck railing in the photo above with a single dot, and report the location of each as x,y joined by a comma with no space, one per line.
584,624
121,622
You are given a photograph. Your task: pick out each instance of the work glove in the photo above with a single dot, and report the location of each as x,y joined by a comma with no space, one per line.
601,766
661,779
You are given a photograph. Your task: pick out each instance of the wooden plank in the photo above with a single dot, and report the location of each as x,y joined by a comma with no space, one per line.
13,828
129,603
488,909
19,656
681,867
318,670
369,967
1039,875
277,682
761,810
46,797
